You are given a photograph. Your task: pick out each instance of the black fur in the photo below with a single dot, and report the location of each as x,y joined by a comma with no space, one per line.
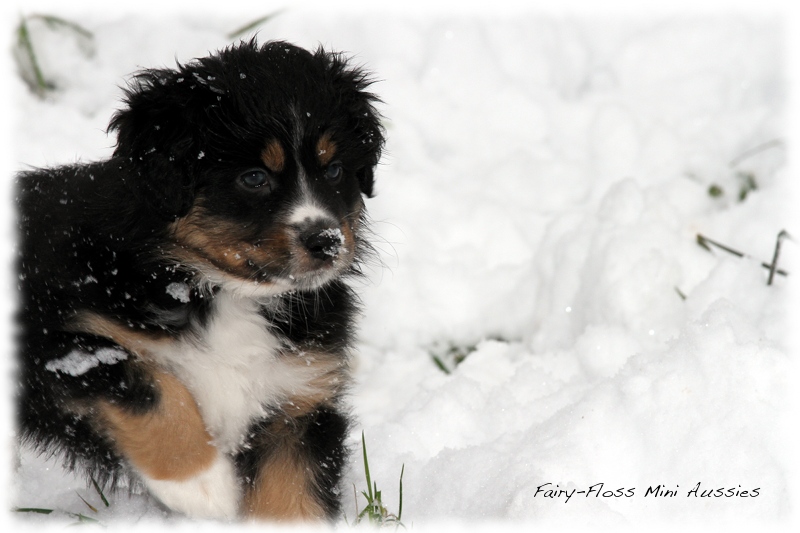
97,237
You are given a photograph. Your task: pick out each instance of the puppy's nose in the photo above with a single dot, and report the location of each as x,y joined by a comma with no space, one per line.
323,243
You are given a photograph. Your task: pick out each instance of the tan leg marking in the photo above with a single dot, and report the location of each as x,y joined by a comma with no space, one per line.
283,489
284,486
169,443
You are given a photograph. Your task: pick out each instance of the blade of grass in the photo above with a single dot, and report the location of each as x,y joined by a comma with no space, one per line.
400,506
753,151
747,184
704,241
90,506
374,510
24,39
355,499
366,467
32,510
83,518
53,21
438,362
100,492
252,25
772,269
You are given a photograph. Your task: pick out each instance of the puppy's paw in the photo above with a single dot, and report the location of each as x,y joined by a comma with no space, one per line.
213,493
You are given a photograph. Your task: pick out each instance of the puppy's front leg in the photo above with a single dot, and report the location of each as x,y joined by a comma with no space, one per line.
293,465
171,448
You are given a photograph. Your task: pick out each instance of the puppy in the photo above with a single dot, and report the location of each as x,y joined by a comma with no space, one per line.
185,320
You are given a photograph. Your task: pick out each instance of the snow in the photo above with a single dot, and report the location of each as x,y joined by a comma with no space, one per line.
78,362
545,178
336,239
180,291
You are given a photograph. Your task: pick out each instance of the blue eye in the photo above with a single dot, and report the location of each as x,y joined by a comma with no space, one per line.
254,178
334,172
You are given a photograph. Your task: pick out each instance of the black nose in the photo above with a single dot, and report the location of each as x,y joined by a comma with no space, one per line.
323,244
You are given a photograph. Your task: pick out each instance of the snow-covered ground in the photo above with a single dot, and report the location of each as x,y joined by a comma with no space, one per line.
544,182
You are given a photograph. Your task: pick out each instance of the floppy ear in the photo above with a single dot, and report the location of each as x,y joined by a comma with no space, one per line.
364,120
370,135
366,180
157,139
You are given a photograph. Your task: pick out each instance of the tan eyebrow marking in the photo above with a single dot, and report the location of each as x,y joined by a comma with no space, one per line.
273,156
326,149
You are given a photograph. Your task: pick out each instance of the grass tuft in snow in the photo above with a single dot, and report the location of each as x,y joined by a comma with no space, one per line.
80,517
715,191
447,356
745,180
707,243
28,63
375,512
747,184
25,55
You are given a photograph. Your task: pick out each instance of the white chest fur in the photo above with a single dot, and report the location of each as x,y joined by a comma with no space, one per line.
235,370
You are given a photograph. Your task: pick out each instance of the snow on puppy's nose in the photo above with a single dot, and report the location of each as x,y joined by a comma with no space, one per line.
325,243
318,232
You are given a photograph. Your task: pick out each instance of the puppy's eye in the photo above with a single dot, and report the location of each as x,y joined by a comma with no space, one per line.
254,179
334,172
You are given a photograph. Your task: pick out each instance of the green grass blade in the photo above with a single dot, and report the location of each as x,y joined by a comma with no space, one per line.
400,506
366,467
90,506
81,518
439,364
361,514
100,492
253,25
32,510
24,39
54,21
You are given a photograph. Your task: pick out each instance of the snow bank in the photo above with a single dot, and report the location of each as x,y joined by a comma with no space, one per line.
537,211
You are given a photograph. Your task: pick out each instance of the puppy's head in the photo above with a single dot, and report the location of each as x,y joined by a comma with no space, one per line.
256,159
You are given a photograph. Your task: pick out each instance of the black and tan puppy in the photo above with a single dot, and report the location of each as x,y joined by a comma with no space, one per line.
184,319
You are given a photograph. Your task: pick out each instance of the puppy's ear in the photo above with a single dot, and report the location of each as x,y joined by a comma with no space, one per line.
352,83
370,136
366,180
158,142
